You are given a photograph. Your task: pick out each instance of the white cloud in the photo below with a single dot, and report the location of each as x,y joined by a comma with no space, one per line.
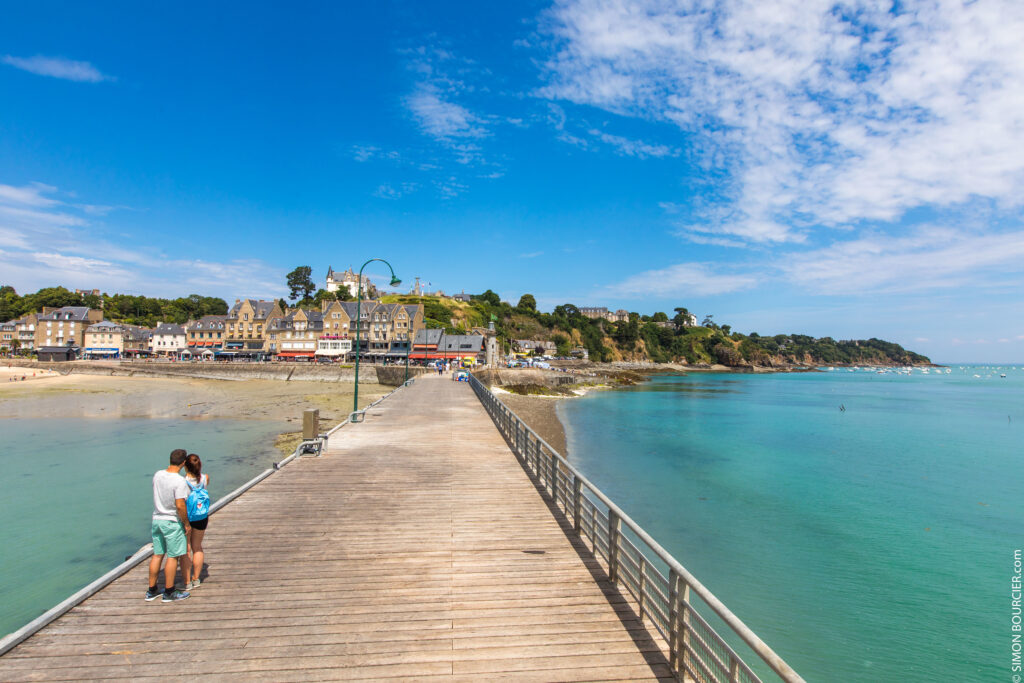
823,115
634,148
929,259
682,279
442,119
44,243
532,254
58,67
29,195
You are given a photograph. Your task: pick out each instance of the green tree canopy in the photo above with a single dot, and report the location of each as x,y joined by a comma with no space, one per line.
526,302
300,283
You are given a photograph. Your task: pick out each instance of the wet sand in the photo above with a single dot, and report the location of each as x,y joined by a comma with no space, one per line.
539,412
96,396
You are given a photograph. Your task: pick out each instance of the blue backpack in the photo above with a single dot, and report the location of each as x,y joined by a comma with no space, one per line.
198,502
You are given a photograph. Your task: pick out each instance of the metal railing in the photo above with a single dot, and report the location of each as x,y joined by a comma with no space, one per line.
636,561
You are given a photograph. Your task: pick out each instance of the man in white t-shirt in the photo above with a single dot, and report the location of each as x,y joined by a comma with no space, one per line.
170,526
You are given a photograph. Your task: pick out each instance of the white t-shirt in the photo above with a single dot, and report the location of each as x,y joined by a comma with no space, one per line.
167,487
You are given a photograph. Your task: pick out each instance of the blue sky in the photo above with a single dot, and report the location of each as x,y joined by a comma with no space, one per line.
850,170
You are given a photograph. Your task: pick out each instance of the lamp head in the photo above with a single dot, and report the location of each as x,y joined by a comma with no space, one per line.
395,281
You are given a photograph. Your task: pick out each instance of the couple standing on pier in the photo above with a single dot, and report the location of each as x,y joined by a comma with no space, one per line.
181,508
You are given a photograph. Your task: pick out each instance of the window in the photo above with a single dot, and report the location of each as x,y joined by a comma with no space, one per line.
246,316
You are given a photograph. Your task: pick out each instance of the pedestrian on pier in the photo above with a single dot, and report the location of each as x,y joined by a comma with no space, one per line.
196,479
170,527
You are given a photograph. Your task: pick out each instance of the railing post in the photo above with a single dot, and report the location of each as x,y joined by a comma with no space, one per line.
673,621
553,478
614,529
685,640
577,502
642,584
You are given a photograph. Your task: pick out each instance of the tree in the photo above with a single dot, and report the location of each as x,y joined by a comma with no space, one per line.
300,282
659,317
321,296
562,345
708,321
488,297
527,303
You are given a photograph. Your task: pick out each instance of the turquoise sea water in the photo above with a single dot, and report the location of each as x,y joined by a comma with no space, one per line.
77,495
873,543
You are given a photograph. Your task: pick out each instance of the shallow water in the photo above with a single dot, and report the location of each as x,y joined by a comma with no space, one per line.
863,525
78,495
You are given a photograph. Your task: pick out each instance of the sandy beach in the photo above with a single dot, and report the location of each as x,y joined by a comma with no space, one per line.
95,396
540,413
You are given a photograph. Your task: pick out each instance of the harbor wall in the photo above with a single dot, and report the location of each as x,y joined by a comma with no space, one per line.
292,372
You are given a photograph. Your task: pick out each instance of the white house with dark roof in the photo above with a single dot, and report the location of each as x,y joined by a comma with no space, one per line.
349,280
169,339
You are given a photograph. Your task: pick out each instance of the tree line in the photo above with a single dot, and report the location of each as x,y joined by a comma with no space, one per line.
124,308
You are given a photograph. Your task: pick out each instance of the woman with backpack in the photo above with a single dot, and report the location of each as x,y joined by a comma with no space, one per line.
198,505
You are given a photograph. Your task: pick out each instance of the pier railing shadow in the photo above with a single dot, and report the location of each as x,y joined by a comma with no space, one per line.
623,557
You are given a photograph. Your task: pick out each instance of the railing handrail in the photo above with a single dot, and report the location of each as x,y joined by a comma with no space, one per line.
758,646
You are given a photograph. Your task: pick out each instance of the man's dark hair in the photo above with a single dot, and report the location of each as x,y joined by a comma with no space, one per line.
178,456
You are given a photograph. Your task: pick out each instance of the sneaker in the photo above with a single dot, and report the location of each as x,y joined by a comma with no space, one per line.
153,596
175,596
195,584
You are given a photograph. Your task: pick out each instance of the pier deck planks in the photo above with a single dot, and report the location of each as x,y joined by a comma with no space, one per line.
416,547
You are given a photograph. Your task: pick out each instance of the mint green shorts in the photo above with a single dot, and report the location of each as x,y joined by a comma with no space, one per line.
168,538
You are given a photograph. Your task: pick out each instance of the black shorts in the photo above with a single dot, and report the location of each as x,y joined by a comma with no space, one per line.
200,523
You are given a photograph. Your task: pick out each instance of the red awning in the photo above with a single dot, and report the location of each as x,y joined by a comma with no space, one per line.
451,355
296,354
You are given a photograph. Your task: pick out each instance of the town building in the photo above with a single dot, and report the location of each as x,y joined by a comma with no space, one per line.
295,334
58,353
436,344
621,315
247,326
386,332
349,280
137,341
206,334
8,336
103,340
64,326
25,329
536,346
169,339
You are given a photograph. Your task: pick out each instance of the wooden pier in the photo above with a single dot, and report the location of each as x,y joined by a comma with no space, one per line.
416,547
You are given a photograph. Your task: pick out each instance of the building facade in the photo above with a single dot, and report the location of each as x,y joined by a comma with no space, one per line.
206,334
64,326
349,280
386,330
435,344
247,325
169,339
103,340
8,336
295,335
25,331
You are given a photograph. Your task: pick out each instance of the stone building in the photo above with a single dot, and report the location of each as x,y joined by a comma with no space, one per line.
63,326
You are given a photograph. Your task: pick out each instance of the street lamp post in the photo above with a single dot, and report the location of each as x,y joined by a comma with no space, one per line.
359,321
